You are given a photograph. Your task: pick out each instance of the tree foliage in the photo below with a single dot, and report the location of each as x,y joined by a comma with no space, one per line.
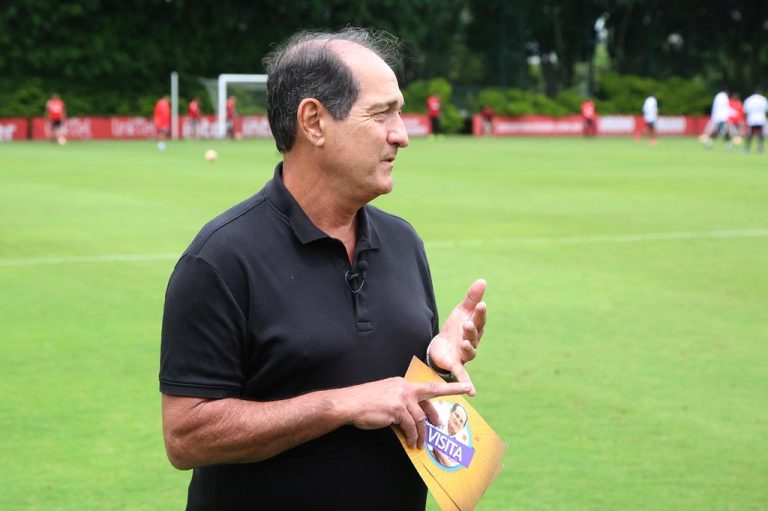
115,56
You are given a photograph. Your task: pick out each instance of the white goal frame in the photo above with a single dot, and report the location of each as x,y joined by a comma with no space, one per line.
224,80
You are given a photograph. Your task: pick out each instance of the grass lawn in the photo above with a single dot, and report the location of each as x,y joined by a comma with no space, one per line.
625,360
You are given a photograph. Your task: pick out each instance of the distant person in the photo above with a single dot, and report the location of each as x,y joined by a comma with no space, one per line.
650,118
755,107
193,111
56,114
487,114
718,122
735,120
162,118
231,117
589,118
434,112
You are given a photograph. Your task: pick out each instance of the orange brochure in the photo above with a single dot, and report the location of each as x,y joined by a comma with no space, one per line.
462,455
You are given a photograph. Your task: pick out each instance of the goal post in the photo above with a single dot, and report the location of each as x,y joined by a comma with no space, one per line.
223,82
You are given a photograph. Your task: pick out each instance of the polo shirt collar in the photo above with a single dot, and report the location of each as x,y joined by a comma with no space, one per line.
304,229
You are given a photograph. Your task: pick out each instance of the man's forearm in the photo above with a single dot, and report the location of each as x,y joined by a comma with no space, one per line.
201,432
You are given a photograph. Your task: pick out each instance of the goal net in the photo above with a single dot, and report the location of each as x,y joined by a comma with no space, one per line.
250,93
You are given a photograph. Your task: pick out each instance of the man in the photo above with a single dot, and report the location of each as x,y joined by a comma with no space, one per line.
433,111
487,113
457,420
162,119
231,113
755,107
735,119
56,114
193,111
650,116
589,116
721,109
291,318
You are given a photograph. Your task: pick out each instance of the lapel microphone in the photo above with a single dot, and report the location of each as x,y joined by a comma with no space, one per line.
349,277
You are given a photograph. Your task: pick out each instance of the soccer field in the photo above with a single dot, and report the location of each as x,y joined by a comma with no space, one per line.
625,359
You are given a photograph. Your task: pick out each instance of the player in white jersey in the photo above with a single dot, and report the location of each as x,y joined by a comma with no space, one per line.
650,116
721,109
755,107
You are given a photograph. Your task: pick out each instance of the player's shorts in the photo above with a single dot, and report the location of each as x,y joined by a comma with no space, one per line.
435,124
651,125
756,130
721,128
56,123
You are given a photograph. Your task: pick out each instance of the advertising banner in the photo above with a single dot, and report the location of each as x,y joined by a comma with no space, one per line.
14,129
572,125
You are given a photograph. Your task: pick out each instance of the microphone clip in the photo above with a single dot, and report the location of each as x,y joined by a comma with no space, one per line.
350,277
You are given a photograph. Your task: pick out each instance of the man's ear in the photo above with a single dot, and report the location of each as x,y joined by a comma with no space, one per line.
311,121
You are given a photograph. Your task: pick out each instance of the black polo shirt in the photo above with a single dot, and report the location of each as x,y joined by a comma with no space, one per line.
258,308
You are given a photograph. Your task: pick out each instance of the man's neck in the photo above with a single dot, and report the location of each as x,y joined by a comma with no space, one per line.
321,203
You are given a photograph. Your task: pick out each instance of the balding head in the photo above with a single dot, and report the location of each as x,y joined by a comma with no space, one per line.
316,65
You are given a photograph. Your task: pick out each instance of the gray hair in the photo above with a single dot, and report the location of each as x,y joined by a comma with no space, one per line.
305,67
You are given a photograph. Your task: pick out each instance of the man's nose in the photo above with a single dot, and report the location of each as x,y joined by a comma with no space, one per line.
397,134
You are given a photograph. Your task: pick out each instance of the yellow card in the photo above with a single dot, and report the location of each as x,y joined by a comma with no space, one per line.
462,455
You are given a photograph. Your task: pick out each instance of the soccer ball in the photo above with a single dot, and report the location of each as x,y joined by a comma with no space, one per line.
211,155
62,140
737,140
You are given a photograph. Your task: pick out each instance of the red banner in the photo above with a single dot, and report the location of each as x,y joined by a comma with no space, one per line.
14,129
417,125
624,125
133,128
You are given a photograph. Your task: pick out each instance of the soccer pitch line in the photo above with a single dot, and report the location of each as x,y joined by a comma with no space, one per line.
609,238
567,240
112,258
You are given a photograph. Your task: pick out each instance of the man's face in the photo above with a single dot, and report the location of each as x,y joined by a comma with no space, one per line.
457,420
362,147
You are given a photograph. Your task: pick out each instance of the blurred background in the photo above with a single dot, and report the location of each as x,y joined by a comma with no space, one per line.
523,57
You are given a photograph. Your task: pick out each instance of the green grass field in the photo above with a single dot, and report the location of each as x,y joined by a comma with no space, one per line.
625,360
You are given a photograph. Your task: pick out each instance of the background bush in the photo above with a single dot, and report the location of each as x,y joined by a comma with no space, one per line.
618,94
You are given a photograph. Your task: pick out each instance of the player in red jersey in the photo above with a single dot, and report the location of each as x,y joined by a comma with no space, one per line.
735,120
193,111
589,115
162,118
433,111
56,114
487,114
231,116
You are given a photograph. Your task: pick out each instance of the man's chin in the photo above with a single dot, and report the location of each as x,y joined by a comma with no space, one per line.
387,186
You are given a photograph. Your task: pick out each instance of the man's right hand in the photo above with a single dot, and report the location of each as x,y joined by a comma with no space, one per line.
201,432
396,401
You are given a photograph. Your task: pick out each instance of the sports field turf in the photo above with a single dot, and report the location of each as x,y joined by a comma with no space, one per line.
625,360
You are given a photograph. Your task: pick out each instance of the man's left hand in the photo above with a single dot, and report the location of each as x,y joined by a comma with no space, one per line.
457,342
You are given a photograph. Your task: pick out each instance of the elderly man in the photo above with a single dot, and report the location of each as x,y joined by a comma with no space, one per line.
290,318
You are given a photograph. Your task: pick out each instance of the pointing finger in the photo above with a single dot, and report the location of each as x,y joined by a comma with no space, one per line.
434,389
